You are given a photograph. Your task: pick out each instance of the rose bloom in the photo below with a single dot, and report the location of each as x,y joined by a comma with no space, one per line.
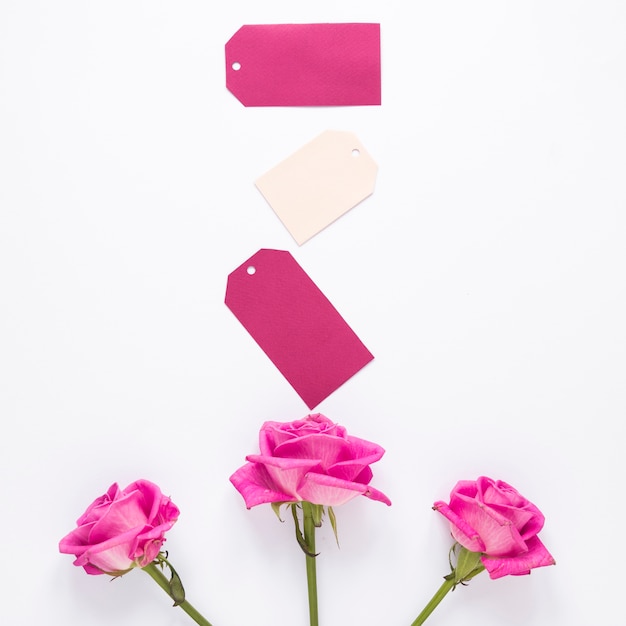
491,517
121,529
310,459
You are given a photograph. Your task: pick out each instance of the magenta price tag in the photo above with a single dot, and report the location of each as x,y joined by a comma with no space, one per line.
295,324
305,64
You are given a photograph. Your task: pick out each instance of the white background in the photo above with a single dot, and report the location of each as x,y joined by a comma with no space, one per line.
485,273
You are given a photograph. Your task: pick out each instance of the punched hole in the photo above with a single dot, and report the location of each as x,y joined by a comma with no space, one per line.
236,66
356,152
251,270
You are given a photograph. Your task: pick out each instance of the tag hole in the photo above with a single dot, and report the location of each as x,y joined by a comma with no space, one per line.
251,270
236,66
356,152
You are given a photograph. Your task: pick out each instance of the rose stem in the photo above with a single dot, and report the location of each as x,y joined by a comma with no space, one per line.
434,601
311,574
162,581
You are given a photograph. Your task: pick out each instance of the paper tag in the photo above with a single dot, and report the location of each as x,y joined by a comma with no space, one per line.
304,64
319,183
295,324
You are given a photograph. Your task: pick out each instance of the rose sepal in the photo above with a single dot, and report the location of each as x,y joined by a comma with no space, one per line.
468,564
300,537
176,589
276,508
173,587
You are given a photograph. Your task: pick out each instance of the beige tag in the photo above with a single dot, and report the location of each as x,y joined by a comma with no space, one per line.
319,183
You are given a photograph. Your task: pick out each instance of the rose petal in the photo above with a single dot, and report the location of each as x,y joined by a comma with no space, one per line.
273,434
99,506
330,491
505,499
147,548
326,449
270,436
148,543
364,476
537,556
529,521
127,511
374,494
112,555
286,475
461,530
151,497
499,535
466,487
363,453
499,492
364,449
253,482
77,541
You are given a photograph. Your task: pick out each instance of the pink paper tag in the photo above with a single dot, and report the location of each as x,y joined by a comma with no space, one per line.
305,64
320,182
295,324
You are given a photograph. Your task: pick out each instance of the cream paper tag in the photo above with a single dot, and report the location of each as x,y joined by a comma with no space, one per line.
319,183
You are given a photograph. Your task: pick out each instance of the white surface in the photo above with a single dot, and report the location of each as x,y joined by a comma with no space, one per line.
486,274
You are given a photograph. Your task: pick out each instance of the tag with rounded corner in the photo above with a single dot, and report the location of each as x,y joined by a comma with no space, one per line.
319,183
305,64
295,324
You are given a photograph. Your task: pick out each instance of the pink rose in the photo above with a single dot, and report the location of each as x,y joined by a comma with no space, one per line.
491,517
121,529
312,460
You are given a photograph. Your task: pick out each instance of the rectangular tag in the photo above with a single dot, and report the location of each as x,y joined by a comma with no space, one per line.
295,324
305,64
319,183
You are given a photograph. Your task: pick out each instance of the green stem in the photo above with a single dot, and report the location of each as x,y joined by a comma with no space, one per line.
161,580
311,574
448,584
